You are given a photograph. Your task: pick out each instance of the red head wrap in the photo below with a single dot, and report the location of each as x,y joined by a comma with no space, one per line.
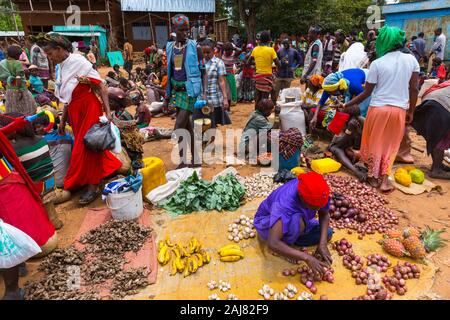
313,189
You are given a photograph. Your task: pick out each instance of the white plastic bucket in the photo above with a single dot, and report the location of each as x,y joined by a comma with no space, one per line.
125,206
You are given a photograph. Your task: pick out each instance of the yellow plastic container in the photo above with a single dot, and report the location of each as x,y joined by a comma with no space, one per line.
326,165
153,174
297,171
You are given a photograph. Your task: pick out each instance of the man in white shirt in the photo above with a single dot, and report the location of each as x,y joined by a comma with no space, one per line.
439,44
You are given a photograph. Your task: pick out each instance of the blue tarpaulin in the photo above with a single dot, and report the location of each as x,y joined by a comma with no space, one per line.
87,33
115,57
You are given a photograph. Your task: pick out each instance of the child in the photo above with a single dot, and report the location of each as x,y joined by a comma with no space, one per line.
344,146
36,84
119,73
257,122
438,70
230,58
60,147
112,79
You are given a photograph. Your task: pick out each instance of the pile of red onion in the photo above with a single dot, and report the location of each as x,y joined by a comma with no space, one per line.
357,206
402,272
378,293
307,277
379,261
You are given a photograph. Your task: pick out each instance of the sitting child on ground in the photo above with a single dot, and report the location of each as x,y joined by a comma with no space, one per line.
36,83
117,71
345,145
257,122
439,70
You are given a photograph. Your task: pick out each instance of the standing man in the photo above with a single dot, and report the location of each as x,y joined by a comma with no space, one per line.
128,57
328,54
290,59
186,75
341,47
438,48
418,49
264,56
314,56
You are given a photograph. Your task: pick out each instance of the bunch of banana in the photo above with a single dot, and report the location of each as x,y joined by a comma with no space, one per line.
186,259
231,253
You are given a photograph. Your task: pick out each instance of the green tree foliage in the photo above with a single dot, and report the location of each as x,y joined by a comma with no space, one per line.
6,17
296,16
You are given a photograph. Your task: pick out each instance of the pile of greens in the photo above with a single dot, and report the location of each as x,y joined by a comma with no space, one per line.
195,194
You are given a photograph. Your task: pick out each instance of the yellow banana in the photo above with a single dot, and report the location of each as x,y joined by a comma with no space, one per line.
176,251
167,255
185,252
179,263
186,270
227,247
231,252
207,258
174,268
198,259
161,244
230,258
168,242
162,254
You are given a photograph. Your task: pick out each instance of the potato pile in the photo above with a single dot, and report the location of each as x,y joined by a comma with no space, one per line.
241,229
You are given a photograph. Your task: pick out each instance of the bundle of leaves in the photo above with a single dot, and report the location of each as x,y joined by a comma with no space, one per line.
195,194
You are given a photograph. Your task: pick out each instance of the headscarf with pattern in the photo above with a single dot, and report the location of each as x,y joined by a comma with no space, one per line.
335,81
180,20
316,80
53,39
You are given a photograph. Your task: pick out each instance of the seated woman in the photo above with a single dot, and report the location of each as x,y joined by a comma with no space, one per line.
111,79
345,145
288,217
432,121
60,152
257,122
34,154
132,140
21,205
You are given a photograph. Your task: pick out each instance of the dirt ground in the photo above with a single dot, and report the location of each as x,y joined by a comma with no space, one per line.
431,209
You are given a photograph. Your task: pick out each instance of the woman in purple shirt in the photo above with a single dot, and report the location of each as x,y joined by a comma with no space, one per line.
287,217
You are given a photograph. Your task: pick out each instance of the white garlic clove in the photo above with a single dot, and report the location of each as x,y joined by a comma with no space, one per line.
266,296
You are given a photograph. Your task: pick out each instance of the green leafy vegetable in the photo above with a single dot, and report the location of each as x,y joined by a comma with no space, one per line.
195,194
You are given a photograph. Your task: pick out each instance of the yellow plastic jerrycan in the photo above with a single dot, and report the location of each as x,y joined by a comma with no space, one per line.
325,165
153,174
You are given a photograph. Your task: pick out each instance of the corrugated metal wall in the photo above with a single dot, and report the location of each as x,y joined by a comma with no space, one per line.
178,6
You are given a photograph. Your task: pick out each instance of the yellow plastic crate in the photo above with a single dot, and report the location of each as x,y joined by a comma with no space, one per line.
325,165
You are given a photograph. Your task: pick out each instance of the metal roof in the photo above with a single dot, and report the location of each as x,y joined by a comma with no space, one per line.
11,34
175,6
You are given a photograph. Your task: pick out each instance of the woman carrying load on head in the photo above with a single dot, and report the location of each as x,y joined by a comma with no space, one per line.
75,84
392,82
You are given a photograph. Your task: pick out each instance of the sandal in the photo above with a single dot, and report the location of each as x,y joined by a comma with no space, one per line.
88,197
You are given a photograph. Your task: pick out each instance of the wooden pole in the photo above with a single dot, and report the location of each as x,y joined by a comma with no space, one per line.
31,5
89,5
50,5
110,22
123,25
170,23
14,18
151,28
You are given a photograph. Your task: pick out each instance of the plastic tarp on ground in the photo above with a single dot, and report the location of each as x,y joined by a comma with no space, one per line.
207,6
259,267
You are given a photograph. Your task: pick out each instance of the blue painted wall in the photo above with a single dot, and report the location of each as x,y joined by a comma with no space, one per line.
423,16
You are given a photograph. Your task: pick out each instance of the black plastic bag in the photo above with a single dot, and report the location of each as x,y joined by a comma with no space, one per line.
283,176
99,138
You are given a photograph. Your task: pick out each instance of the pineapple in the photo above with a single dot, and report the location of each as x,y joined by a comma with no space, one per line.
415,247
393,234
432,239
411,231
393,247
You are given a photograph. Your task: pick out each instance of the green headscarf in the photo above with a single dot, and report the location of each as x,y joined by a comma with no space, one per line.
389,39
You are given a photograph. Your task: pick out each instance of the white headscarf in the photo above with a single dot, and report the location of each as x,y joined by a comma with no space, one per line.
74,66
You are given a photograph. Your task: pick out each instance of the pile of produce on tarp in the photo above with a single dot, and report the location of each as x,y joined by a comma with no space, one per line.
195,194
101,260
358,207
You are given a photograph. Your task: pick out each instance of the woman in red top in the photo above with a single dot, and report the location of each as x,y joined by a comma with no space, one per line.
76,82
